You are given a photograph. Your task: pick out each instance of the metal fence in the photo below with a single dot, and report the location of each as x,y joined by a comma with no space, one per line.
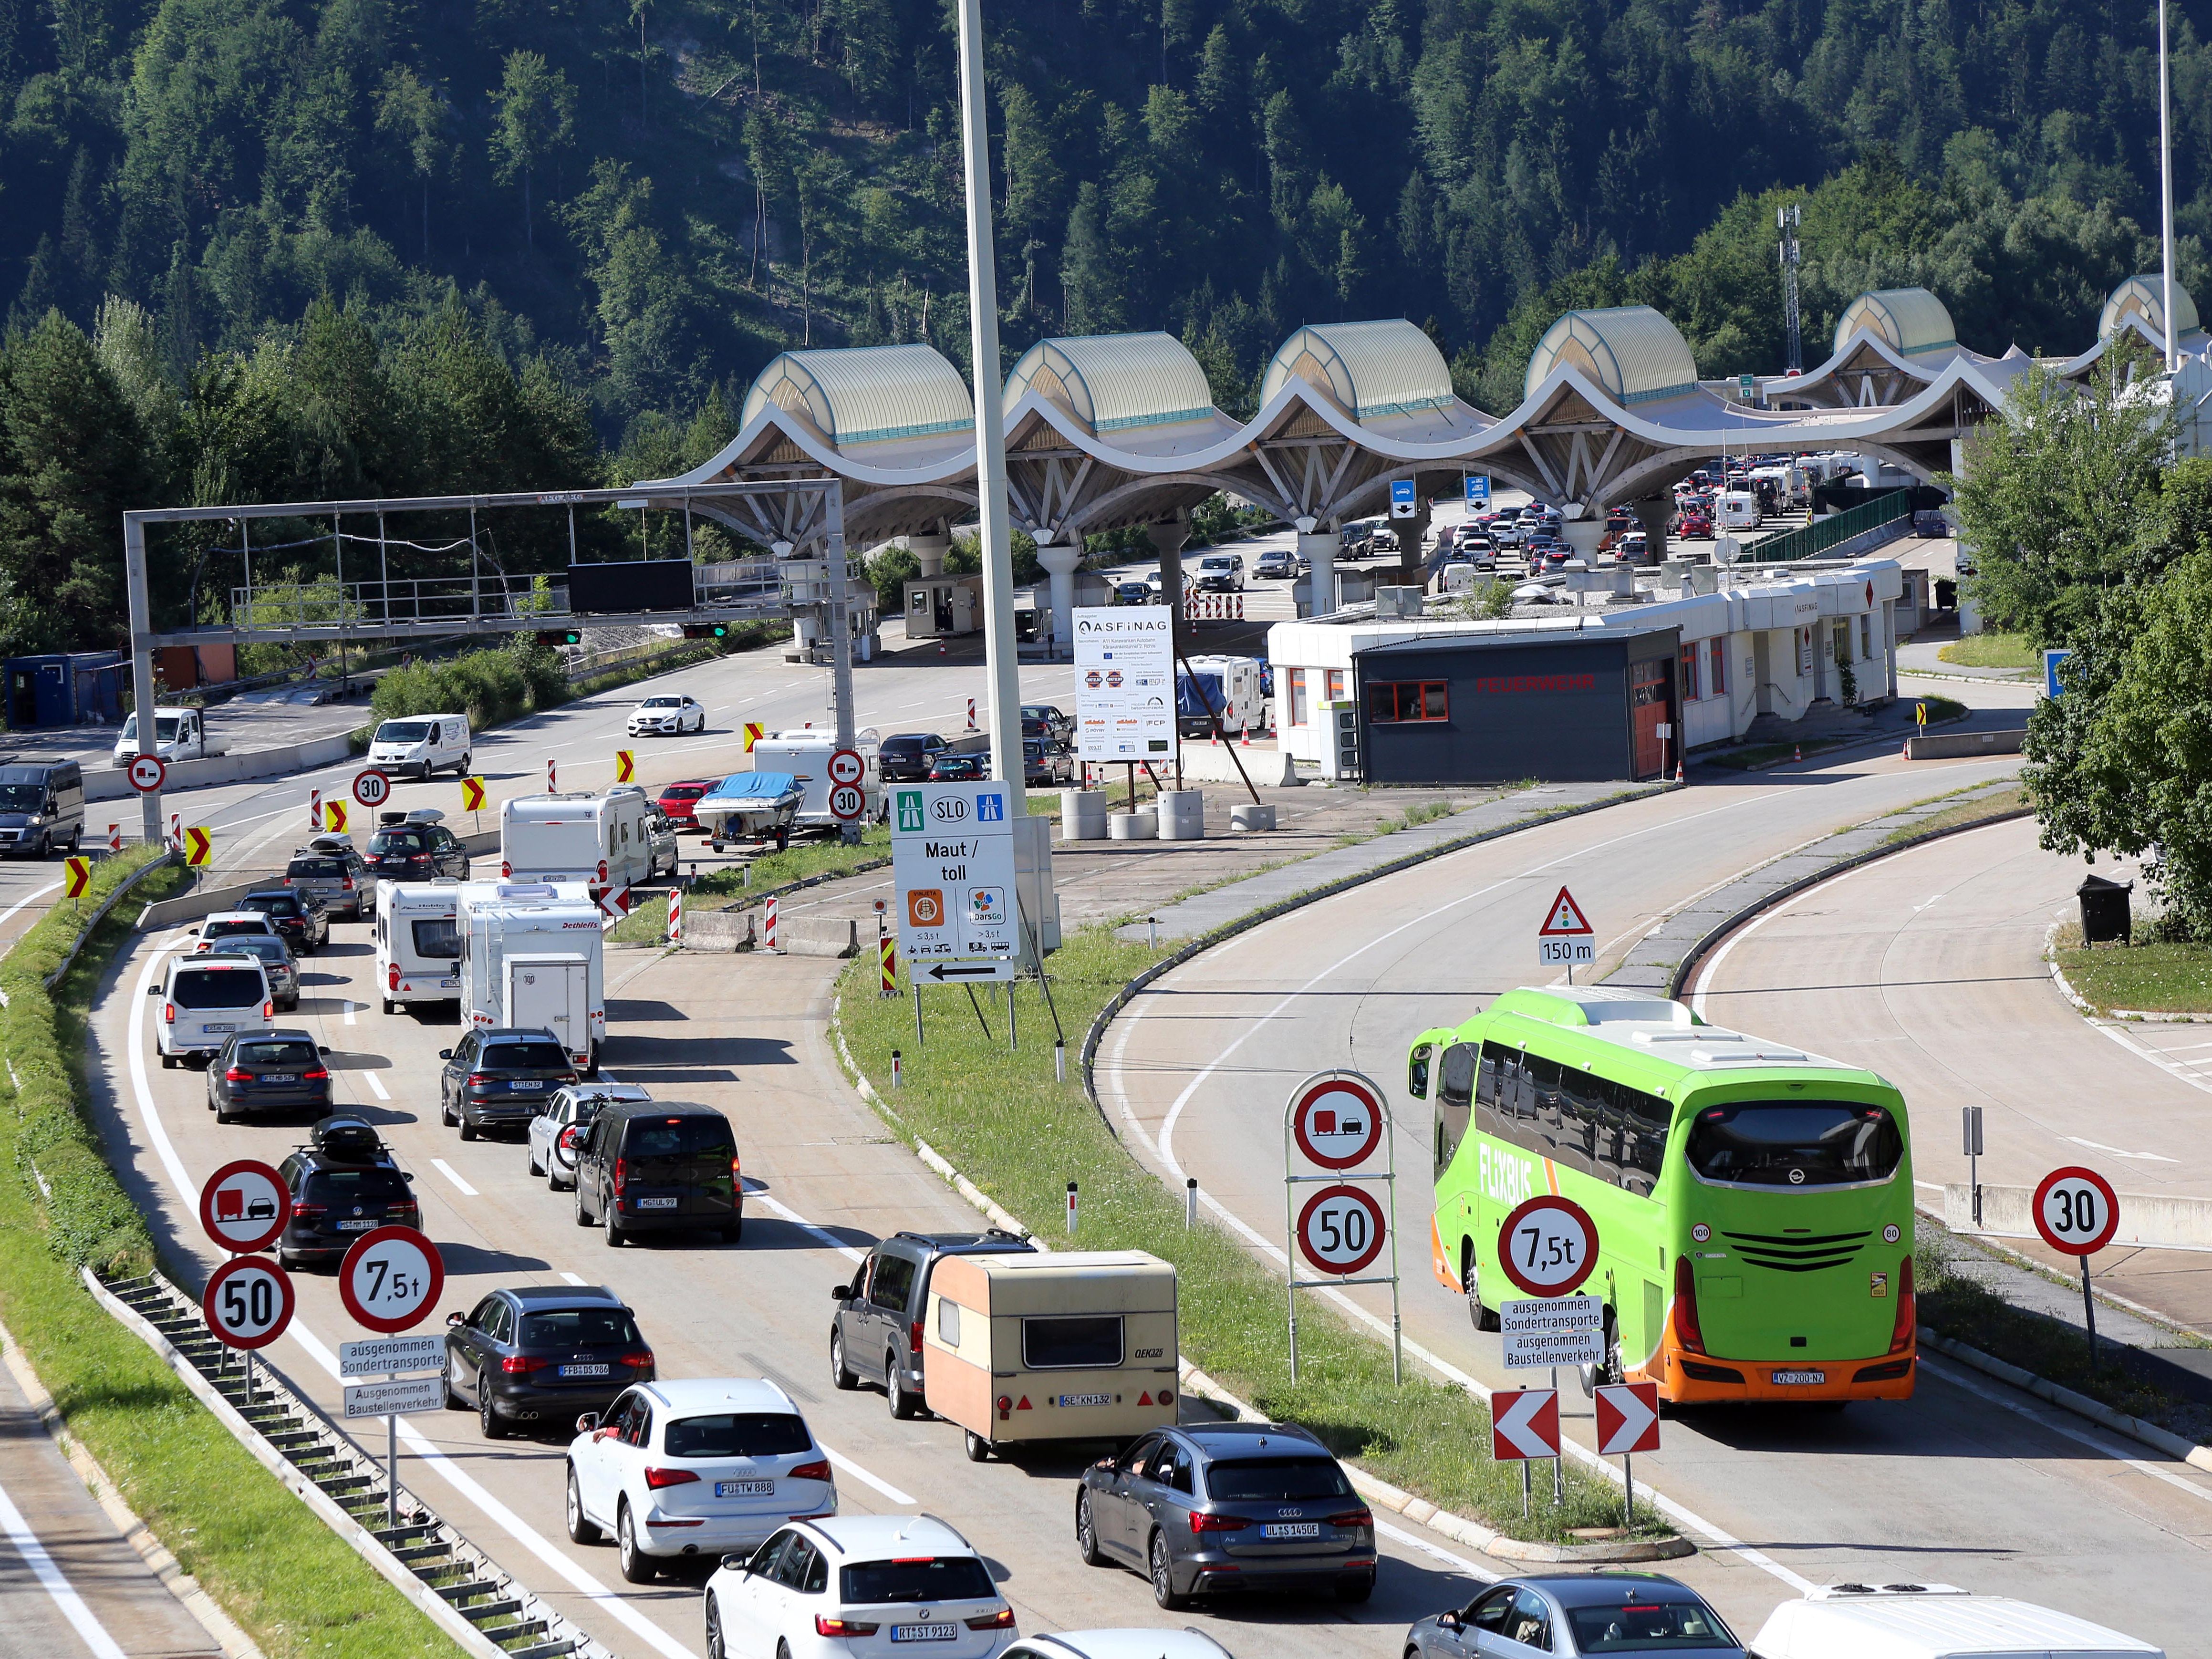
1821,534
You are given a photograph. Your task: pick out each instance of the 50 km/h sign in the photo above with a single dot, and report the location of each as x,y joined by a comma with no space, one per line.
248,1301
390,1279
1548,1246
1342,1230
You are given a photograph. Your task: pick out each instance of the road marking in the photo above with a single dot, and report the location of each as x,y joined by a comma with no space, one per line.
82,1618
348,1006
6,915
1482,1575
2114,1152
822,1233
863,1476
574,1279
454,1175
2141,1465
374,1087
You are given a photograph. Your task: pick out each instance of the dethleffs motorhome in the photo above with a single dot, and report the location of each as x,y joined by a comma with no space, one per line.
418,948
1073,1345
532,956
599,841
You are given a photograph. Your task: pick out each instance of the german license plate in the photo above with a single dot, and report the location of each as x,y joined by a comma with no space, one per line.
1086,1399
656,1204
526,1083
1290,1529
449,984
278,1076
1786,1378
355,1226
212,1027
744,1488
924,1632
583,1371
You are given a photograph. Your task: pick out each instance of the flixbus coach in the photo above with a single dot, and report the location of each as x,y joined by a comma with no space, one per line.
1753,1203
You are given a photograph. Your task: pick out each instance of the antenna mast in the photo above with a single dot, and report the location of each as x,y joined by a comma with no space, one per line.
1786,221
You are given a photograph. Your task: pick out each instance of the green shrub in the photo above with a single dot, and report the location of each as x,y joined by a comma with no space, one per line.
521,678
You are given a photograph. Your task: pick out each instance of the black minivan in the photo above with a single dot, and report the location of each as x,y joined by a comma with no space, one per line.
42,807
659,1166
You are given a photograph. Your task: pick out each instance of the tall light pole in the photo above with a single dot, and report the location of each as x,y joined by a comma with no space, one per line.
1002,665
2165,186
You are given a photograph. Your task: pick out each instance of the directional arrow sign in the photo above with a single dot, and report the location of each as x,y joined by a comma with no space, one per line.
472,795
80,877
199,847
754,733
1524,1424
944,970
1628,1419
625,765
334,814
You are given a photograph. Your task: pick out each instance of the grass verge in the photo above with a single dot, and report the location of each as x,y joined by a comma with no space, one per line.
726,887
2160,977
1000,1116
1966,811
294,1585
1992,651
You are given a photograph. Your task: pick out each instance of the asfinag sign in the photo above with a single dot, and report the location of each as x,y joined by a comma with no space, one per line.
1125,706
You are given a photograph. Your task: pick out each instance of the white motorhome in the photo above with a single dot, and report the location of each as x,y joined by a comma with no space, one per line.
418,948
1229,686
532,956
1932,1621
598,840
805,755
1739,510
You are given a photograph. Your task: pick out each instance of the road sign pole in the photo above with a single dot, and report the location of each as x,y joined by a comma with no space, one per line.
141,663
392,1469
2089,1312
917,1012
1628,1483
1559,1464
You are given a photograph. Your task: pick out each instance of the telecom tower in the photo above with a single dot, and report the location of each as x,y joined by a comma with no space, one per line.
1786,220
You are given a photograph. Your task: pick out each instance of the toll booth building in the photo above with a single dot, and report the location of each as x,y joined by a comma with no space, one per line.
1604,692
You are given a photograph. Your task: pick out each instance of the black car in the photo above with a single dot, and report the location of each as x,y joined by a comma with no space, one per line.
1228,1507
500,1076
542,1353
875,1335
960,769
659,1166
277,1070
413,848
1569,1614
1059,725
907,757
298,916
336,1198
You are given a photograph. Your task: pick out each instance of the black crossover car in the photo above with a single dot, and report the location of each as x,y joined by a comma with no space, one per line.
500,1077
1228,1507
659,1166
875,1335
542,1353
298,915
906,757
338,1194
1568,1614
275,1071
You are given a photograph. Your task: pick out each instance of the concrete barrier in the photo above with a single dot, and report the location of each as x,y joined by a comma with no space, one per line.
2147,1221
1083,815
816,936
1133,826
725,930
111,784
1268,768
1182,814
1246,815
1956,745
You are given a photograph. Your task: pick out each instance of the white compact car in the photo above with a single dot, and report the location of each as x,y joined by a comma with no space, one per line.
207,1000
421,744
858,1584
552,1149
667,717
678,1469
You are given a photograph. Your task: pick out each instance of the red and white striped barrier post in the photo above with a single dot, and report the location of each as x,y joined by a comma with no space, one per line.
971,713
769,926
176,829
314,810
114,837
551,786
676,916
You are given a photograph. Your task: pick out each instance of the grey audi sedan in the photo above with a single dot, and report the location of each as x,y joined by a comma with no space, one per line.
1567,1615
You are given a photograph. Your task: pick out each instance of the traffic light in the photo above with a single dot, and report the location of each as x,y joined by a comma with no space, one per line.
719,631
560,636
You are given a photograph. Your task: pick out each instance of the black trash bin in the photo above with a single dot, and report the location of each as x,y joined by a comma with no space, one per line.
2105,914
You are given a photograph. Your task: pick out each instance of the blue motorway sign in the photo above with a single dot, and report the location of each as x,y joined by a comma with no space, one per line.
1477,489
2051,661
1402,504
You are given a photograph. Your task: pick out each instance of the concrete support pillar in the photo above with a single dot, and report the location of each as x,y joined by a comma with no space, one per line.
1411,533
1168,541
1583,535
1318,548
1059,564
1655,515
929,551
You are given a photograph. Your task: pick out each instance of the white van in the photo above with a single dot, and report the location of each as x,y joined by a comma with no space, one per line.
805,755
205,1000
1932,1621
532,955
601,841
421,744
418,949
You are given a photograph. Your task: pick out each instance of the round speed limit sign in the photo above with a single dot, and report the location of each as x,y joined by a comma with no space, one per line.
390,1279
1547,1246
248,1301
847,801
845,766
1341,1230
372,789
2076,1211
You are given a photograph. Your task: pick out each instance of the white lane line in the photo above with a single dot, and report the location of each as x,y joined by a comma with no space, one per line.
1991,1392
454,1175
863,1476
1458,1562
349,1006
56,1584
374,1087
2114,1152
32,898
574,1279
822,1233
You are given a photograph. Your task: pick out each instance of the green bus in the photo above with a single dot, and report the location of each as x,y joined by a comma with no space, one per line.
1753,1203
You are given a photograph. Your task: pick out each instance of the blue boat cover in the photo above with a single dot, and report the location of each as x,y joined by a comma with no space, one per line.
741,787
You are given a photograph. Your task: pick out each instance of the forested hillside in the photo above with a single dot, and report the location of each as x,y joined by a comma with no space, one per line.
378,245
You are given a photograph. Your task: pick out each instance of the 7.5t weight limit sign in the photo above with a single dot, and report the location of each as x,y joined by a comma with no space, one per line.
390,1278
1548,1246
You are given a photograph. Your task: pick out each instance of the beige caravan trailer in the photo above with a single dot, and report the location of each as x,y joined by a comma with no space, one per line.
1079,1346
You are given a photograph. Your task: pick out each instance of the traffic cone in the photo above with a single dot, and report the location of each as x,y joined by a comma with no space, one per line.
1679,776
1246,737
1801,752
1213,740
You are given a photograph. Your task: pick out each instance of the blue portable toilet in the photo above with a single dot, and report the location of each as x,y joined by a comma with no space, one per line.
83,688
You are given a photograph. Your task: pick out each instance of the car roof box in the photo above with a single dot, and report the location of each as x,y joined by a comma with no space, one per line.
348,1138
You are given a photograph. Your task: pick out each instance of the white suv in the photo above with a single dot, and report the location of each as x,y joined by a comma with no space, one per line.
692,1469
207,1000
873,1584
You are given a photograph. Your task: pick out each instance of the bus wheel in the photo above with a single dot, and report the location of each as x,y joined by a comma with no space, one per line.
1486,1319
1613,1371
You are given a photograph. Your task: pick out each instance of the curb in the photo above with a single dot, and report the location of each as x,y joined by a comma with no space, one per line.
2173,1445
2133,1016
235,1642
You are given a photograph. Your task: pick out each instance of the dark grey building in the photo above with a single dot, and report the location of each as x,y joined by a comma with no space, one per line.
1561,705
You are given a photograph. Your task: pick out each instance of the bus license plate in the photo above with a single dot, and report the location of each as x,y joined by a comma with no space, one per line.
744,1489
1784,1378
656,1204
924,1632
1290,1529
1086,1399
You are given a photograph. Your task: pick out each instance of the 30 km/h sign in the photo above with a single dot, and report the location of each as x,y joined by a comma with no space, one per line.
1567,939
248,1301
1548,1246
847,802
2076,1211
372,789
1524,1424
1337,1121
390,1279
245,1205
845,766
1341,1230
147,772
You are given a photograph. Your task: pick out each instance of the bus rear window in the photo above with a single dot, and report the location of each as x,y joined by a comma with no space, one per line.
1795,1143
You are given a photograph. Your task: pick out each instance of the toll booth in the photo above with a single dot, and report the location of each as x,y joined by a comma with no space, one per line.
83,688
941,607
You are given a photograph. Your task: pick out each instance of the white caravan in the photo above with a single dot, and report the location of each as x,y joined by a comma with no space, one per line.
598,840
532,956
805,755
418,948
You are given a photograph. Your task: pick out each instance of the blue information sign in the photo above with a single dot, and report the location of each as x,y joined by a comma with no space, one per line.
1477,489
2051,661
1401,498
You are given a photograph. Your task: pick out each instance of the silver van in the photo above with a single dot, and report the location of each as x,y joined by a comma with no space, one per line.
41,808
206,1000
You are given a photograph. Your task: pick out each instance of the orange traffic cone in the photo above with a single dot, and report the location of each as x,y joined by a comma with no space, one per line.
1801,752
1679,776
1246,737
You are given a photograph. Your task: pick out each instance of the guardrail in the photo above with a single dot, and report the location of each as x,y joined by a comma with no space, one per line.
69,957
1822,534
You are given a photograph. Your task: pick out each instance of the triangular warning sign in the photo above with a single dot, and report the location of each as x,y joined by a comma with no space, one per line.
1567,917
1146,1398
1024,1405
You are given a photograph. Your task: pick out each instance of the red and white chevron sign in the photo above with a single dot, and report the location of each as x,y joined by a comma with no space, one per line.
1524,1424
1628,1419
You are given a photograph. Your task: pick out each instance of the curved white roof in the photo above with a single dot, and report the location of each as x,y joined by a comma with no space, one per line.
866,394
1368,369
2144,297
1114,382
1631,351
1911,319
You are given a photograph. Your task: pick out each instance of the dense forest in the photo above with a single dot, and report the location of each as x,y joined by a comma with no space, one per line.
375,244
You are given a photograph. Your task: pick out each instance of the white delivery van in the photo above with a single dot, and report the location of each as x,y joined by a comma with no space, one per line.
805,755
600,840
180,734
207,1000
418,948
1932,1621
420,743
500,921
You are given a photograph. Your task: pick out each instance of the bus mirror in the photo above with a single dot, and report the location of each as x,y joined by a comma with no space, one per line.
1417,1071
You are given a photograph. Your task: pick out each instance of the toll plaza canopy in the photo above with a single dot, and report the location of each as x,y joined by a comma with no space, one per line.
1105,431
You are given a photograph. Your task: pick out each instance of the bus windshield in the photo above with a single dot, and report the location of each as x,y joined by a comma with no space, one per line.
1795,1143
